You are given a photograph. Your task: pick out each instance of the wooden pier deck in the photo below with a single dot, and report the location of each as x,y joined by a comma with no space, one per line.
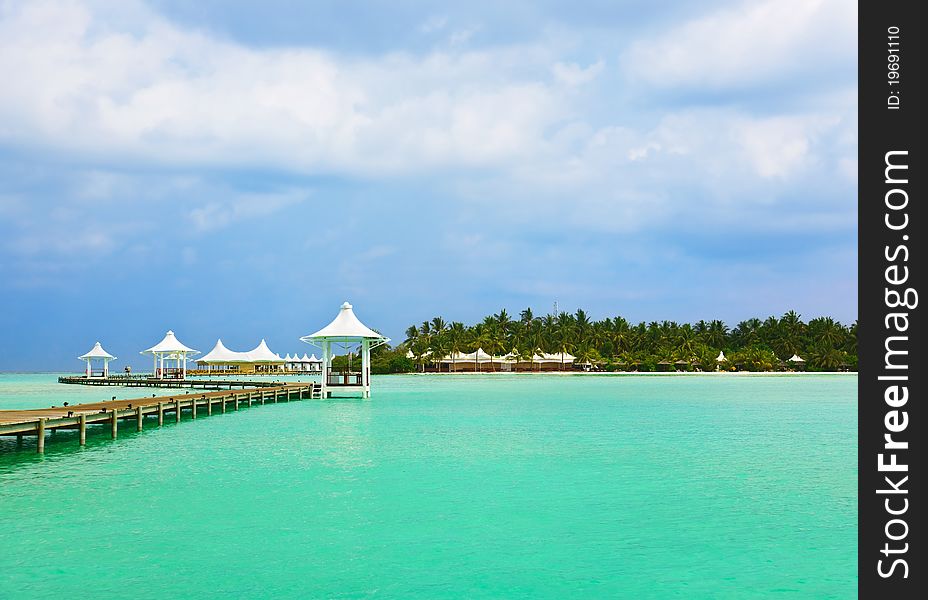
38,421
146,381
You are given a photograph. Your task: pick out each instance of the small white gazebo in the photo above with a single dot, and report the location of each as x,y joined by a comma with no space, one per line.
97,353
348,333
170,349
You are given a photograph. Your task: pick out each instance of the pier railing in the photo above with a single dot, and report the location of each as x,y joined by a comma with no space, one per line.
336,378
37,422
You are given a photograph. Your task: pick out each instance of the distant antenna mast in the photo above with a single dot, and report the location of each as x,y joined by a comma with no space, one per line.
555,308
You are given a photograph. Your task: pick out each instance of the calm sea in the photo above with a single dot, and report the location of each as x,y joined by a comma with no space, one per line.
512,486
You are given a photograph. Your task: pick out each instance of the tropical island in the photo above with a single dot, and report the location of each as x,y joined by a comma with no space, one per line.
786,343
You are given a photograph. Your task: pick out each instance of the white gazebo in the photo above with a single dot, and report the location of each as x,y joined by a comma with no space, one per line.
170,349
97,353
348,333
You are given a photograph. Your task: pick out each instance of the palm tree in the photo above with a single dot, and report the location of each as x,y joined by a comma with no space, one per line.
438,325
828,343
747,332
717,334
457,338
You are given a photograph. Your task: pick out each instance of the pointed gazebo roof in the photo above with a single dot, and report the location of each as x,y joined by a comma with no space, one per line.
97,352
262,353
220,353
170,344
345,327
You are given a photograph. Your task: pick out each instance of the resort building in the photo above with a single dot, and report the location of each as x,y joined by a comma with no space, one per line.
481,361
170,357
99,354
348,334
222,361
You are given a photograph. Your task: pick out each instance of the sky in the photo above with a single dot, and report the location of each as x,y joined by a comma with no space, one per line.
237,170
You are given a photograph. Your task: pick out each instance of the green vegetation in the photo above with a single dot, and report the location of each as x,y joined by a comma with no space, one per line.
615,344
384,359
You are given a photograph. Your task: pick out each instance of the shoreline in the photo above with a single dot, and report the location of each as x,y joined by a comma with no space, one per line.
645,373
562,373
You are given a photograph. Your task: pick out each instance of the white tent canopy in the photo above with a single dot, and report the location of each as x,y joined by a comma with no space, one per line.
262,353
477,355
796,359
720,357
564,357
221,354
97,352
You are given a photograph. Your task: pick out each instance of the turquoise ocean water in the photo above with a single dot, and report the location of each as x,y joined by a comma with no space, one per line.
511,486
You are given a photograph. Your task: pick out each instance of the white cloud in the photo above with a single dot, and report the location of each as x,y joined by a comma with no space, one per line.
433,24
754,42
506,126
573,74
149,90
219,214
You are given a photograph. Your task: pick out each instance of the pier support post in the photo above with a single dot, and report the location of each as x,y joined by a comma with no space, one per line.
115,421
261,397
138,418
193,408
40,443
82,427
209,406
160,414
223,399
249,399
235,399
177,411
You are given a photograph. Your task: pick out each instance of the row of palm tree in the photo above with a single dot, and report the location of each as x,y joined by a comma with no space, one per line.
615,343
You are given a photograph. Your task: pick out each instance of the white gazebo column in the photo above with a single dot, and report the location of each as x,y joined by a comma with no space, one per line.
326,358
106,368
184,372
87,371
366,367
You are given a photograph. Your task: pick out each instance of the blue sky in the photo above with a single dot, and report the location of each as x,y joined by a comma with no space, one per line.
237,170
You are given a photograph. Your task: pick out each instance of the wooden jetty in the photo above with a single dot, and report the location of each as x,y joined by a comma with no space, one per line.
41,420
147,381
